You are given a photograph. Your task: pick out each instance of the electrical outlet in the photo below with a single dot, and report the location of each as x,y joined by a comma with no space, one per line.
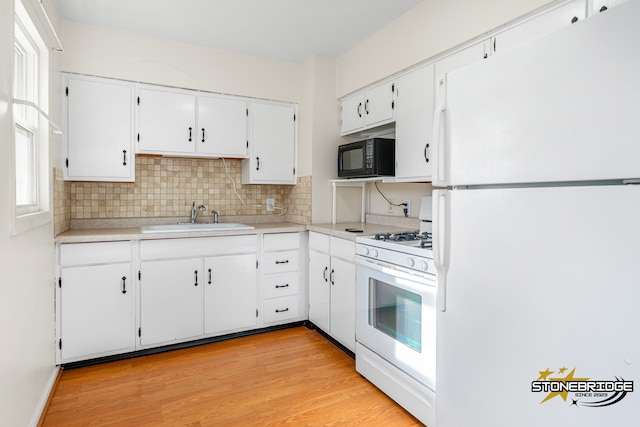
406,207
271,204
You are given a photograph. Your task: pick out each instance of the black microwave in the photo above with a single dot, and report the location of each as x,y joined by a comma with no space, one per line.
368,158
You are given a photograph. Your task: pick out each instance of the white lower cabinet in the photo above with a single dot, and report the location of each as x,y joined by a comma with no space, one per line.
332,275
198,287
95,301
119,297
281,278
230,293
171,307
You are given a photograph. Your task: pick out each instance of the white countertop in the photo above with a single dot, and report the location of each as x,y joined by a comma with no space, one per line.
86,235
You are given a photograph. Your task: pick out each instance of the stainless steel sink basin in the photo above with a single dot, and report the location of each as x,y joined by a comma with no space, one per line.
187,226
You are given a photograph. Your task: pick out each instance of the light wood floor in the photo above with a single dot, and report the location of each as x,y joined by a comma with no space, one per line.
292,377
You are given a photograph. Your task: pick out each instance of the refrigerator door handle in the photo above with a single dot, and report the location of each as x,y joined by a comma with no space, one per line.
441,215
438,145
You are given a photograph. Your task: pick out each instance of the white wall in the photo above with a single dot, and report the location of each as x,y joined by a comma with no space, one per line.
320,139
118,54
428,29
27,359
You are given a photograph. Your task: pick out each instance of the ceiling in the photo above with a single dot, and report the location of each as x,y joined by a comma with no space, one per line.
286,30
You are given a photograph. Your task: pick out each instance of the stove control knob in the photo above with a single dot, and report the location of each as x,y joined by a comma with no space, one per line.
365,251
373,253
411,262
424,265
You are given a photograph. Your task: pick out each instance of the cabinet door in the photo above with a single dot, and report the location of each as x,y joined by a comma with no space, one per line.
166,123
539,26
414,124
272,144
222,127
171,300
343,302
598,6
98,134
96,311
319,290
230,296
352,110
379,104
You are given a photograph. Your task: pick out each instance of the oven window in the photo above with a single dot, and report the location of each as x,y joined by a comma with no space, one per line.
396,312
352,159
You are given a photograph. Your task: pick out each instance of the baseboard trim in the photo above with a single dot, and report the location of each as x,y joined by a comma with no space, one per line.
45,399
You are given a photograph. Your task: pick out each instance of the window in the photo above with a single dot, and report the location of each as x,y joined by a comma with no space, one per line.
31,129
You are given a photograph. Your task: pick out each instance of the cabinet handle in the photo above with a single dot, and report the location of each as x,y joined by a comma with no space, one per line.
209,276
202,134
282,286
286,261
124,157
324,274
366,106
196,273
331,276
574,19
258,163
124,285
603,8
359,109
426,158
282,311
190,129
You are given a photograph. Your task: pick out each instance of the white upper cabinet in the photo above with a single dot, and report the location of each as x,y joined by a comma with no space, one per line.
272,144
222,127
166,121
369,108
540,25
98,129
414,124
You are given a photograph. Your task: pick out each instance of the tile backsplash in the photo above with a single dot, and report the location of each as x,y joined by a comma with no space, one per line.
166,187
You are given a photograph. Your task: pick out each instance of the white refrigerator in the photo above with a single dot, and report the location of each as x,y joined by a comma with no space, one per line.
537,232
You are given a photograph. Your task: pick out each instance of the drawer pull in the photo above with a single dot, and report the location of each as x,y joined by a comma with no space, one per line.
124,285
282,311
282,286
283,262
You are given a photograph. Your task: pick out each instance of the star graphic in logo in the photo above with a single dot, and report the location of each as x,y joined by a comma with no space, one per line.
568,378
544,374
561,370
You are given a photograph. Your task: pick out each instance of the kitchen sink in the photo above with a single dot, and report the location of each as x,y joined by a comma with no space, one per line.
187,226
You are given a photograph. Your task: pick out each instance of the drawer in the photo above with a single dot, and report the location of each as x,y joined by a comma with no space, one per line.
319,242
280,262
198,246
95,253
281,241
344,249
281,309
280,285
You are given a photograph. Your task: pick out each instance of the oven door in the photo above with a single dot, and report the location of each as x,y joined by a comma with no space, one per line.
396,317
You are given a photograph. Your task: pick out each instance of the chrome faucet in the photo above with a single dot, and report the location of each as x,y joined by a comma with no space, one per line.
215,216
195,211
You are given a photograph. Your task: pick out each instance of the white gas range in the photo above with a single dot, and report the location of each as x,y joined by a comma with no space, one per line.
396,315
